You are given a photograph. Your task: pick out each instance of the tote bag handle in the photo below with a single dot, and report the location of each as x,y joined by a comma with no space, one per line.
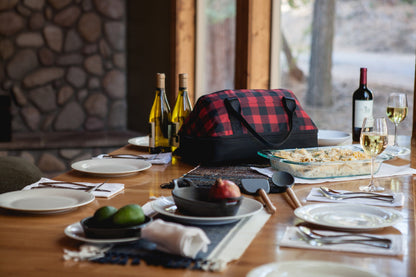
233,107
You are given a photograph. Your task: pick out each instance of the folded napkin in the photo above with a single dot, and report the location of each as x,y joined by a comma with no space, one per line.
172,237
291,238
161,158
316,195
175,238
386,170
109,189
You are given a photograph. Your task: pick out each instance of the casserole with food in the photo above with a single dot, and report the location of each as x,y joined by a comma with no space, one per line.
323,162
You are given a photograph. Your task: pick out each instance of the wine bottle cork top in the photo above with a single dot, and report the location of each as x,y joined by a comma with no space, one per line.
160,80
183,80
363,76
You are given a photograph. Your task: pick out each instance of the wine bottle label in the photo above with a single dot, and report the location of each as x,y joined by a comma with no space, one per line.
175,137
152,135
363,109
168,133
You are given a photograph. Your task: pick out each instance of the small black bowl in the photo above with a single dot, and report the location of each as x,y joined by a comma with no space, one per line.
196,202
108,231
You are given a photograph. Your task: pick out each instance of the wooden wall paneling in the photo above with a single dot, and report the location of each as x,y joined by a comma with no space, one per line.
253,44
413,139
183,46
275,45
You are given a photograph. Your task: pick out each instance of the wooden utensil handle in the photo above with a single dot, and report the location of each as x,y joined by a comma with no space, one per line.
269,205
294,198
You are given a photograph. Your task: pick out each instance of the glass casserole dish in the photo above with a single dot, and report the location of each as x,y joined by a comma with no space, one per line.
324,162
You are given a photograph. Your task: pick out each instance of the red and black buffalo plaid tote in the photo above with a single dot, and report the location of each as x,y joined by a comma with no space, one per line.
232,125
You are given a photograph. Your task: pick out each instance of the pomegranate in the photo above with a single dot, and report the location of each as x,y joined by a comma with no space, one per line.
224,189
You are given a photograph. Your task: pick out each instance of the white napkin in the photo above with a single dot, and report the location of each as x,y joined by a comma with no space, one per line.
172,237
113,188
386,170
291,238
175,238
315,195
161,158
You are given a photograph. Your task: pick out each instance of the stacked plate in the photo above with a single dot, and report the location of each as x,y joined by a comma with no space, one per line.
332,137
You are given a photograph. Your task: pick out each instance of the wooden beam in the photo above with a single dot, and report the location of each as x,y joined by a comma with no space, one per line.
252,67
275,45
413,139
241,44
183,50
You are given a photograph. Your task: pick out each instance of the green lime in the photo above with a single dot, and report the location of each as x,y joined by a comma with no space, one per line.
104,214
129,215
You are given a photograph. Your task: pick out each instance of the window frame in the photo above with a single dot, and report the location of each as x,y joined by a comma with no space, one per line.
257,44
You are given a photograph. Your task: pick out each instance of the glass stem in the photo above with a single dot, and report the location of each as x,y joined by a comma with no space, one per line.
372,174
395,135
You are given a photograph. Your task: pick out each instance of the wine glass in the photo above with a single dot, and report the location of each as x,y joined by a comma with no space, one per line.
373,140
396,112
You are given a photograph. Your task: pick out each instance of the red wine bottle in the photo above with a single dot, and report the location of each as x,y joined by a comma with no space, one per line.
362,105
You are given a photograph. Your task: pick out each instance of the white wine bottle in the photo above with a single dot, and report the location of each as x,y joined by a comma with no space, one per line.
159,119
362,105
181,110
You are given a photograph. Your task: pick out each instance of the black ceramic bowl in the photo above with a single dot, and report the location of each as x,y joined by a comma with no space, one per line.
196,202
94,230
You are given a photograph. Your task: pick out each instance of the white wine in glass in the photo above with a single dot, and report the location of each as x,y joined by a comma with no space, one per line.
397,112
373,140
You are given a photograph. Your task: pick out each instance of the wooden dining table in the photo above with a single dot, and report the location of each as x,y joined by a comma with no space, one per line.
32,245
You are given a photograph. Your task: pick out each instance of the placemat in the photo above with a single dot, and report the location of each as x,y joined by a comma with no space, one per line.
205,176
142,250
228,243
292,239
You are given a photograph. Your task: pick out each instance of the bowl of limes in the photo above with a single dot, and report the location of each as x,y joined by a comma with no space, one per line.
109,222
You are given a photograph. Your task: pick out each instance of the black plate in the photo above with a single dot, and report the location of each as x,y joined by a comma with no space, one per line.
195,201
91,229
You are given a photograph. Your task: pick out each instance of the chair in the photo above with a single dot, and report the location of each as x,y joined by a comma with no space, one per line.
16,173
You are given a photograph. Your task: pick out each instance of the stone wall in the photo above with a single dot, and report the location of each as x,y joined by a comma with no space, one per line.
63,63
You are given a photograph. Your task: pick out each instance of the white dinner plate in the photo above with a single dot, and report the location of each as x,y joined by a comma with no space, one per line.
248,207
75,231
309,269
46,200
111,167
331,137
349,217
140,141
